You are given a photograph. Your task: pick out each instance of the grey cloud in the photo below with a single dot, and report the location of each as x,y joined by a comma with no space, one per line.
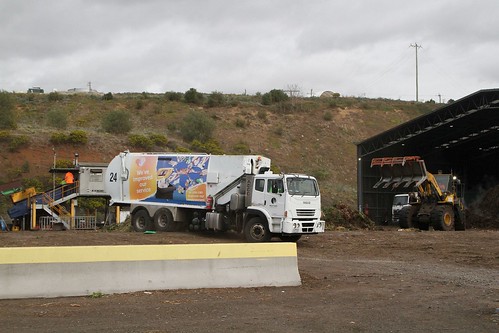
355,47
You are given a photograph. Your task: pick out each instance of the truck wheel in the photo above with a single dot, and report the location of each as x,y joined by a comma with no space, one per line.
442,218
140,220
407,217
163,220
256,231
292,239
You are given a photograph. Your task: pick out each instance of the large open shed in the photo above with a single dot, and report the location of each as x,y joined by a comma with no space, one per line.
462,138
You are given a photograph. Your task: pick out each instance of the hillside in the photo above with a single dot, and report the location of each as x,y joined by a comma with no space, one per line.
307,135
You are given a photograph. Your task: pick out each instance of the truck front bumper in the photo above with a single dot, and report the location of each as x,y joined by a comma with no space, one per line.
303,227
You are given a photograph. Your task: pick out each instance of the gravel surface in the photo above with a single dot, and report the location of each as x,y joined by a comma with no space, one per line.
357,281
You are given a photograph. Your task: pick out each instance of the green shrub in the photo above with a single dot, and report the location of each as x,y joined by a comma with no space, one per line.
14,142
55,96
266,99
197,126
58,138
274,96
140,141
33,182
216,99
275,168
63,163
25,167
107,97
17,142
241,123
174,96
139,104
78,137
13,173
327,116
278,130
5,136
262,114
242,148
182,150
117,122
7,112
210,147
193,96
158,139
57,118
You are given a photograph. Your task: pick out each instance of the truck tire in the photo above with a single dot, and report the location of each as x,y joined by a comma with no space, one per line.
407,217
292,238
163,220
141,220
256,231
442,218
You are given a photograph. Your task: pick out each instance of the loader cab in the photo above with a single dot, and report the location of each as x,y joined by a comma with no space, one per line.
449,183
444,181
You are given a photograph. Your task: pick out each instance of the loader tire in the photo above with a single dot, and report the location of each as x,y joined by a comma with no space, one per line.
460,223
141,221
407,217
163,220
442,218
257,231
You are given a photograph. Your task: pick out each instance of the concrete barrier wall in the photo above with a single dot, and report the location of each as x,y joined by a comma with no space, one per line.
84,270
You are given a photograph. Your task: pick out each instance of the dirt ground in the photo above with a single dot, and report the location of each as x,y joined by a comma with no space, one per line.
352,281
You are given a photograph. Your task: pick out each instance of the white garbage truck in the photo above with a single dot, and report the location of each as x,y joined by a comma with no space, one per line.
168,191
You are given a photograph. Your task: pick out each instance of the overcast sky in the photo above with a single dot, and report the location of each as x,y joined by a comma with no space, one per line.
354,47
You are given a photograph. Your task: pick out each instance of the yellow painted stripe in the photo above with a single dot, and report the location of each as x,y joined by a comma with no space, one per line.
63,254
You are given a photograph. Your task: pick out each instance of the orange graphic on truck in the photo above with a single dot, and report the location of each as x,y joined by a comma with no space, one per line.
143,177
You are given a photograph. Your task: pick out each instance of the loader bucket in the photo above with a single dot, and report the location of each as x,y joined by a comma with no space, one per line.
400,171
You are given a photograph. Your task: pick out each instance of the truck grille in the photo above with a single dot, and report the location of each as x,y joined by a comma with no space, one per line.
305,212
307,227
307,219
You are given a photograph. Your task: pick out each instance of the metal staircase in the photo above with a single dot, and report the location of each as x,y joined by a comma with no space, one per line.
51,201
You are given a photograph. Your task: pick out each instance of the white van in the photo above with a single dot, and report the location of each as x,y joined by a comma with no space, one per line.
399,201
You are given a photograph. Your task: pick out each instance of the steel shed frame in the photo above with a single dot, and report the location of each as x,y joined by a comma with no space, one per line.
462,137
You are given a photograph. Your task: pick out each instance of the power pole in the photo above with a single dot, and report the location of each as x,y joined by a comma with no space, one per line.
416,46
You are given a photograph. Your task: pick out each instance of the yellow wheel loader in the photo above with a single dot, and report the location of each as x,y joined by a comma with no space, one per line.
436,199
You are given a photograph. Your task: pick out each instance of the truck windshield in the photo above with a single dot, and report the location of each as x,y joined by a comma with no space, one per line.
302,186
400,200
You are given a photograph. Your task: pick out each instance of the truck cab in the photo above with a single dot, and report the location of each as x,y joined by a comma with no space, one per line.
399,201
287,206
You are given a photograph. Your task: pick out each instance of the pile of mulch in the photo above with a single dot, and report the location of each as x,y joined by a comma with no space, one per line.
484,213
341,216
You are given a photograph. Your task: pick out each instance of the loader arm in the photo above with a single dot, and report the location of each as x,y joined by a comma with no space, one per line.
431,185
400,171
406,171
